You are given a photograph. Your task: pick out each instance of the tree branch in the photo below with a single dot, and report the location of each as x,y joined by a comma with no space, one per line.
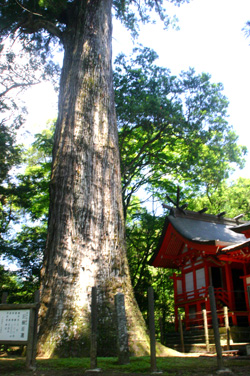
27,10
29,25
15,86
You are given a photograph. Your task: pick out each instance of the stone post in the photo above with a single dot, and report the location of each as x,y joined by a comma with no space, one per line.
215,328
122,334
152,329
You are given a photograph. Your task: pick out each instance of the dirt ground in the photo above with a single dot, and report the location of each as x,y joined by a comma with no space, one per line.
233,371
242,372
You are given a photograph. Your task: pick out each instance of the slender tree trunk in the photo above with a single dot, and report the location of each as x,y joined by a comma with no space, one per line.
85,244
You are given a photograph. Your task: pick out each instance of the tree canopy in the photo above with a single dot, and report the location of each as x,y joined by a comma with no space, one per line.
231,197
20,69
171,128
54,16
24,230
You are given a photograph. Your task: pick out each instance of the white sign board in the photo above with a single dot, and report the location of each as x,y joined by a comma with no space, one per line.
14,325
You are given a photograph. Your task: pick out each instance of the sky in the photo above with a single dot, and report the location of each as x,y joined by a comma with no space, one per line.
210,39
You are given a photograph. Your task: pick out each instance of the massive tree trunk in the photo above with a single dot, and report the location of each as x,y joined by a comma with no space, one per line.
85,244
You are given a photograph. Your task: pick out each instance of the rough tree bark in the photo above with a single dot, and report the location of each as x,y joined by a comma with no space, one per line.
86,244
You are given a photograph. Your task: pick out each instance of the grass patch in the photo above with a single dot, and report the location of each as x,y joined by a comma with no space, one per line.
136,365
63,363
171,366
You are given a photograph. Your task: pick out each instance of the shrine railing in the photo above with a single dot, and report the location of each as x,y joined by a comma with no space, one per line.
191,295
220,294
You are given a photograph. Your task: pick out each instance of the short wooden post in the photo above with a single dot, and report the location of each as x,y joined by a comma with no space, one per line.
32,336
215,327
30,345
181,333
4,297
37,301
161,330
4,301
227,326
122,334
152,329
204,312
93,338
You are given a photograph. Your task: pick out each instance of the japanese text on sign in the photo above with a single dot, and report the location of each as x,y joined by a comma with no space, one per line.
14,325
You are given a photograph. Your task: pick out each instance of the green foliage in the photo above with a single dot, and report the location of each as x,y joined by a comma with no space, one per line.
230,197
171,128
33,188
19,291
54,17
9,152
8,281
143,232
27,249
30,202
19,70
10,157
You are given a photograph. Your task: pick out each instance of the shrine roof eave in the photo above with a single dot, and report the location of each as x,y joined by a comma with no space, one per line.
202,232
235,253
241,228
234,247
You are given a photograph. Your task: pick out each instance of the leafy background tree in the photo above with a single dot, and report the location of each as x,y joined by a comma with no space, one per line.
25,243
231,197
171,128
20,69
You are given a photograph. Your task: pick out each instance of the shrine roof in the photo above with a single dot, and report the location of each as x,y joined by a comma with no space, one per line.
205,228
203,232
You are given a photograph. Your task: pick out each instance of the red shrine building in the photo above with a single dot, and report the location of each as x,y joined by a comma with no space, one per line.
207,250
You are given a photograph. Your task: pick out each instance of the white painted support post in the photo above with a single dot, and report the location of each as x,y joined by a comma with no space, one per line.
204,312
227,326
181,333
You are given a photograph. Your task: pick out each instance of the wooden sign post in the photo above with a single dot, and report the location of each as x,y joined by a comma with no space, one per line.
18,326
152,329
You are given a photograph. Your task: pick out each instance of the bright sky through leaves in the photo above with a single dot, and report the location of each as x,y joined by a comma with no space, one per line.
210,39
